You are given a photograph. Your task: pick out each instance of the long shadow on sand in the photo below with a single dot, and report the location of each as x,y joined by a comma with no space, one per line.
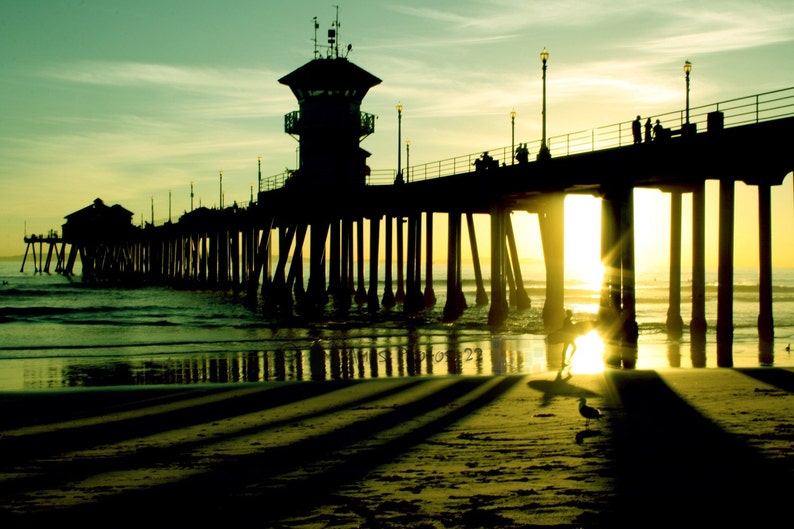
262,487
559,387
673,467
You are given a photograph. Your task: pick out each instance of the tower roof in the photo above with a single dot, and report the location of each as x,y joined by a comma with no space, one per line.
330,74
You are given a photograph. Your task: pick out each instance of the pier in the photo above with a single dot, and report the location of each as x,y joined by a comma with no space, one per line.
341,216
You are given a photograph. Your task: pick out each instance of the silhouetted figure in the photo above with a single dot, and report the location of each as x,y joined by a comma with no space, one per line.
648,131
660,133
569,339
636,129
522,153
485,162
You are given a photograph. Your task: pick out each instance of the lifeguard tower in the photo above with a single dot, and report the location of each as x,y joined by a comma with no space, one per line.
330,124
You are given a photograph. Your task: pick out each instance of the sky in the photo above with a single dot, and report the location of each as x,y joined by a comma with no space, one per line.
133,102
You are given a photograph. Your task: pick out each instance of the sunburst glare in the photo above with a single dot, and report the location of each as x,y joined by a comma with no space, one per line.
589,356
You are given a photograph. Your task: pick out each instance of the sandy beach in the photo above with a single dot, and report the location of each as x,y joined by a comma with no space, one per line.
675,448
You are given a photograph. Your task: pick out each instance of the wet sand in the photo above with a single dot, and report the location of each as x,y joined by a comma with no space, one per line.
675,448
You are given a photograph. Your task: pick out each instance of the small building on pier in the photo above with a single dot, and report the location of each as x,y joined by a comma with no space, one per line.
100,235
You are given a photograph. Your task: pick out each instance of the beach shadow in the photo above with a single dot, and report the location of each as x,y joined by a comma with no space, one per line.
673,463
780,378
559,387
259,486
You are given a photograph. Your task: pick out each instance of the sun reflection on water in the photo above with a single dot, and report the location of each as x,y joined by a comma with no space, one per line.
589,356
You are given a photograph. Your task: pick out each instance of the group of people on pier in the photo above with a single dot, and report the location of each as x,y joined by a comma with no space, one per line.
654,132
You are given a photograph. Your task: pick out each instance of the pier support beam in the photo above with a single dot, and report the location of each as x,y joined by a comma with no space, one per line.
361,291
551,220
698,326
522,299
372,294
617,314
481,297
766,324
453,308
278,297
335,258
316,293
725,275
388,294
414,300
675,324
430,295
399,296
343,244
499,309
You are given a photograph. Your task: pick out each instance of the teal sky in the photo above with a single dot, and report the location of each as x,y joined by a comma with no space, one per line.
128,100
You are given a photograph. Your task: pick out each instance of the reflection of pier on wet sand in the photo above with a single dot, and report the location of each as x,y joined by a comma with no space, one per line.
406,452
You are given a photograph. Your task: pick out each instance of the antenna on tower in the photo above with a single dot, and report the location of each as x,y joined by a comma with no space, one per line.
316,27
333,36
332,49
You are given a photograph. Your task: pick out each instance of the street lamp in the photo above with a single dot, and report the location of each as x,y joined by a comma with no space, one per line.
259,175
544,149
399,142
687,69
513,135
407,160
220,189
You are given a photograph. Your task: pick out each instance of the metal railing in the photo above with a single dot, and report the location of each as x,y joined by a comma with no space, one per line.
740,111
756,108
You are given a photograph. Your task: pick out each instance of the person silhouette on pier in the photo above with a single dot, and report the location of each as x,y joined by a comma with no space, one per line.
485,162
522,153
648,130
659,132
636,129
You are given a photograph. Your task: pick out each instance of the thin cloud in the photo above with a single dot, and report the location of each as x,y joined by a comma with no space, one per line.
712,30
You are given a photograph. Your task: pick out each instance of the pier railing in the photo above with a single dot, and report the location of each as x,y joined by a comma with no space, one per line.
756,108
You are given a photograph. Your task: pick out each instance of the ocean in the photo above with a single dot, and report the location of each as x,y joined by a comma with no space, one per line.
57,332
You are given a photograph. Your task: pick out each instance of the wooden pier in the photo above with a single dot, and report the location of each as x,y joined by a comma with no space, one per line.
327,207
35,247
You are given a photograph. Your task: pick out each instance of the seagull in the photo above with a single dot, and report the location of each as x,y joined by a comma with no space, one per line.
588,412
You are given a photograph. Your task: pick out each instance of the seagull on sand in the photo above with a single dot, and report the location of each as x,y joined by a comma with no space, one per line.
588,412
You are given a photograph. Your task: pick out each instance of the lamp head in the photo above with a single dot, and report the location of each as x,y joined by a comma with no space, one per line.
513,114
544,55
687,67
399,107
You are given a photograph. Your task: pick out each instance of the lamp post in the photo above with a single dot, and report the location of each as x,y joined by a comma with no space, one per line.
399,142
220,189
687,69
407,160
191,196
259,175
513,136
544,149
